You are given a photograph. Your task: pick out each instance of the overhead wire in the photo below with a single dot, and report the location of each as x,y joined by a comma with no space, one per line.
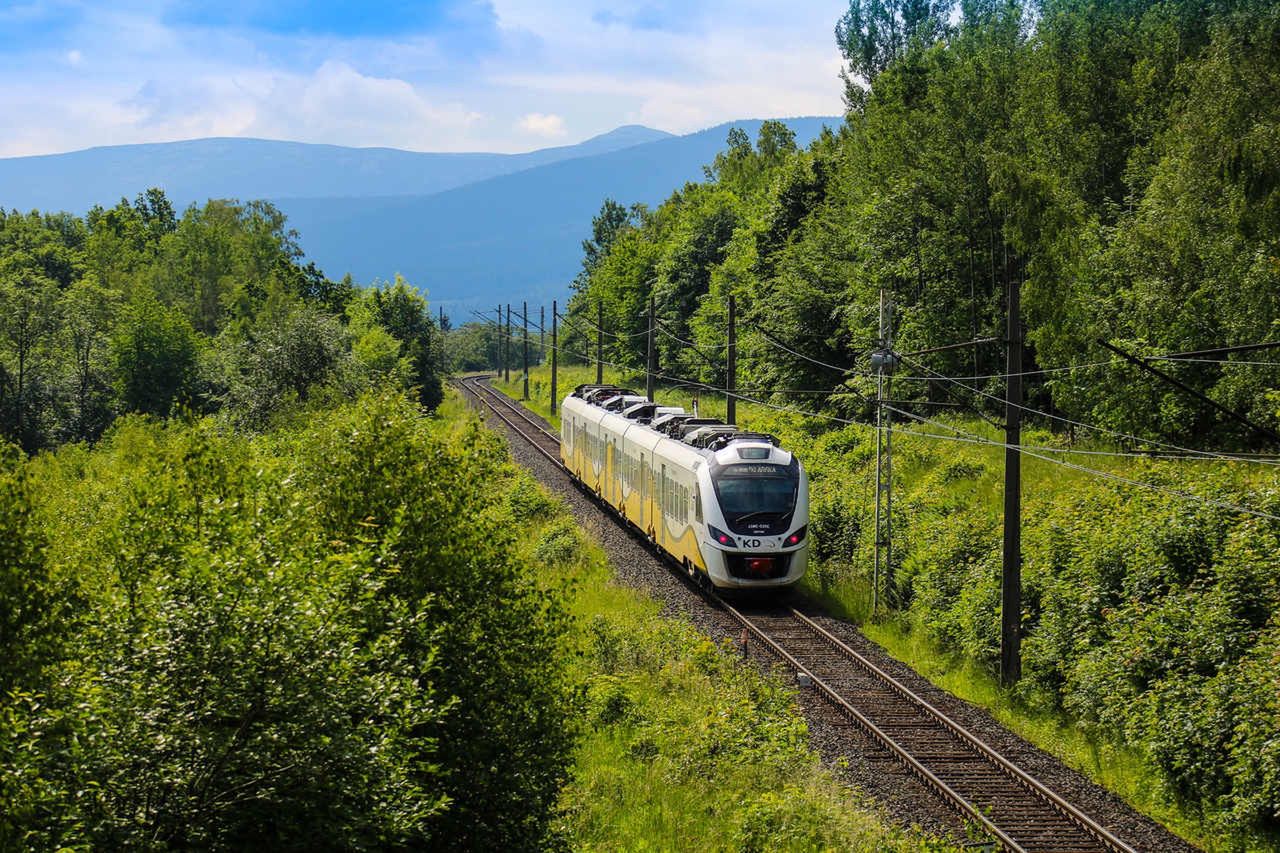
604,331
1081,424
1183,453
1107,475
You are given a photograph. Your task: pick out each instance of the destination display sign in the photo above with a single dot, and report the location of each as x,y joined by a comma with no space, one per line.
749,470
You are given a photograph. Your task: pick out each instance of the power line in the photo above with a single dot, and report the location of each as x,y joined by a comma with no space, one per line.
1107,475
605,331
1211,361
1081,424
844,371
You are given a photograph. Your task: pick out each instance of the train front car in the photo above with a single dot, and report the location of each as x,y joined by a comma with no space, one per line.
756,514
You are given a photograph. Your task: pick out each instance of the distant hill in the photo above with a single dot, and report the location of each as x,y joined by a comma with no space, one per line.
513,237
199,169
471,229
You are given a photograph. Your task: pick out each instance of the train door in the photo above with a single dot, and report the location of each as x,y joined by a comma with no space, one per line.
662,503
644,489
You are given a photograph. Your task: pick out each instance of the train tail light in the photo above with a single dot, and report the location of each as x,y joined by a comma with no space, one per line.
797,537
720,536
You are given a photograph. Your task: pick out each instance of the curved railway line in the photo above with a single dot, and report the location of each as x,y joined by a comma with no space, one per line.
1012,807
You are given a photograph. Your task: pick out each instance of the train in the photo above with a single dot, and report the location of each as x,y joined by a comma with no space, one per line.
729,506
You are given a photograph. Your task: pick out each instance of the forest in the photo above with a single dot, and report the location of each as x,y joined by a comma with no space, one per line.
1116,161
263,586
133,309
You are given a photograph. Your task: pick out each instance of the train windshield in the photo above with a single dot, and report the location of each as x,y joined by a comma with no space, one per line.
756,493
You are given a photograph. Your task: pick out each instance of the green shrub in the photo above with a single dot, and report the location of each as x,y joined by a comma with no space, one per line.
319,638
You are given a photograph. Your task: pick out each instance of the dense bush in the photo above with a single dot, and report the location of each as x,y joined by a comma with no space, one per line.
320,638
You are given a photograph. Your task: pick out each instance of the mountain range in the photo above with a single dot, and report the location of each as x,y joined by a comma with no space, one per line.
470,229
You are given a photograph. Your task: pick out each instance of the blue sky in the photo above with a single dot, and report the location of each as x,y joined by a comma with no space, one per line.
452,75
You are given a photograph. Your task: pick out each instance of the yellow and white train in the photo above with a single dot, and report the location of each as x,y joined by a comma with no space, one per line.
731,507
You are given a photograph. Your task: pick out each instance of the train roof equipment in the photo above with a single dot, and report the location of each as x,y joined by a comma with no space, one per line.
622,401
690,425
702,437
648,411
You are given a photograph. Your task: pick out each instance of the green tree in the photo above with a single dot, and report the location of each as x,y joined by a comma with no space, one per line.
402,311
28,318
154,353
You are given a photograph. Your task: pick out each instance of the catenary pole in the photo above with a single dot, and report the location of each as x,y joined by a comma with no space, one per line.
1011,573
890,361
555,352
731,365
506,351
600,343
880,460
648,361
524,318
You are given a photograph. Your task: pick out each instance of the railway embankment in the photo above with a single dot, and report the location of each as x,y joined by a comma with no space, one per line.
907,784
680,745
1127,585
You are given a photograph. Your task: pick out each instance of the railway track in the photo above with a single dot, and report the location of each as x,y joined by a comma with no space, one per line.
513,415
1017,811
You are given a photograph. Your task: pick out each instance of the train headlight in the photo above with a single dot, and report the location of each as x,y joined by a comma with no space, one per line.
797,537
722,537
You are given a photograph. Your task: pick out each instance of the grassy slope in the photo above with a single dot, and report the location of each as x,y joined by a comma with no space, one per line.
682,747
924,468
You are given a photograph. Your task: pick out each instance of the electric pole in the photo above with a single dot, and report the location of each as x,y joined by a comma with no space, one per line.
524,318
555,352
600,343
497,344
731,366
506,348
883,361
648,362
443,348
542,331
1011,574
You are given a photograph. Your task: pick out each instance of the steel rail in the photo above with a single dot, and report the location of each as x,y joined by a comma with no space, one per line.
481,393
1066,809
859,719
521,411
490,398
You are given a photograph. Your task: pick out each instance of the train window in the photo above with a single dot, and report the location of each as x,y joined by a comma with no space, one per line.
697,503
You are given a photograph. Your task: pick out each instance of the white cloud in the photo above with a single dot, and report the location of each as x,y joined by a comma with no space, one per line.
725,59
340,105
543,124
587,72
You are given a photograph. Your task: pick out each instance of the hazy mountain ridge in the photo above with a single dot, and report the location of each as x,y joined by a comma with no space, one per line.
194,170
514,237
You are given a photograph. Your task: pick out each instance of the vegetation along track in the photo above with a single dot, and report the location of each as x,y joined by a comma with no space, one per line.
990,791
